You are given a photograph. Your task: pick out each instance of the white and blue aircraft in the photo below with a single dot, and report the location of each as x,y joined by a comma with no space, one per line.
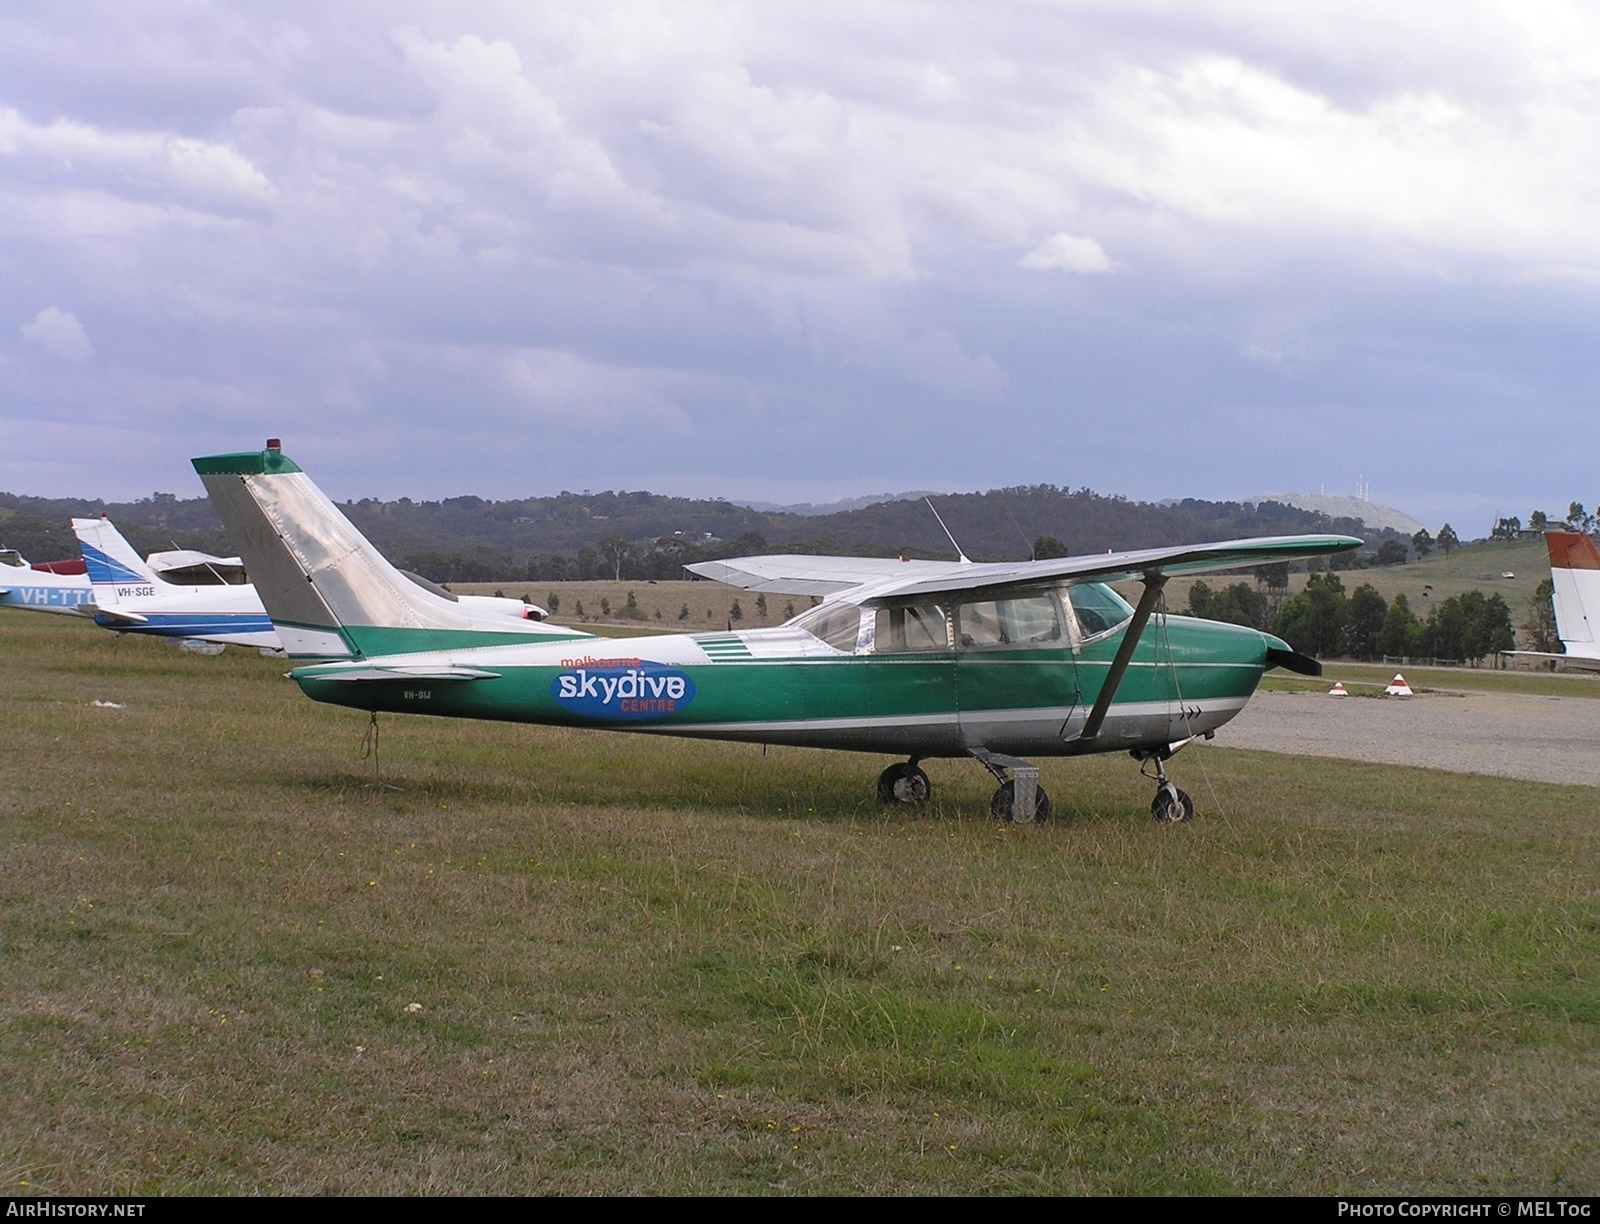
129,596
64,586
41,588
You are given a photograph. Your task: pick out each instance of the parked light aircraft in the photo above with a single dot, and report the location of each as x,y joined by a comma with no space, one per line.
64,586
41,588
130,597
915,658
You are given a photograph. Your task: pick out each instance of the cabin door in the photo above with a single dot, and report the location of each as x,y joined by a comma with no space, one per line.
1016,677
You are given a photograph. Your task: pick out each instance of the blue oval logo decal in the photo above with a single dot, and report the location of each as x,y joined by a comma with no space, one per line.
621,690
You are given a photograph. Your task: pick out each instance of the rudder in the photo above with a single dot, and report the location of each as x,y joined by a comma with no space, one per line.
1575,575
329,592
108,558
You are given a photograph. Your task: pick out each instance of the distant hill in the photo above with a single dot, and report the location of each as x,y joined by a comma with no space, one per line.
38,527
811,509
578,535
1373,515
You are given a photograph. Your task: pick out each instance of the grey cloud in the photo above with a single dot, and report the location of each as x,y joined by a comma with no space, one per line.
1067,253
782,243
58,332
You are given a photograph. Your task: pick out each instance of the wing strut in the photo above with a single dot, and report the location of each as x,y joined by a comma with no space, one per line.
1153,582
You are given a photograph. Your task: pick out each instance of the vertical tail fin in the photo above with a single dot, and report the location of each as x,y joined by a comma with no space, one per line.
329,592
1575,574
108,557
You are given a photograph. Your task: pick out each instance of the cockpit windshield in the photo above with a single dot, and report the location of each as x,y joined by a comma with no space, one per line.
10,556
836,624
1098,608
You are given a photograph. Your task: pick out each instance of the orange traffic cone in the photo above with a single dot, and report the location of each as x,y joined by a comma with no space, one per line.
1338,690
1398,687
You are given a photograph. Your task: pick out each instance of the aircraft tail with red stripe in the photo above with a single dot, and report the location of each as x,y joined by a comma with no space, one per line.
1575,573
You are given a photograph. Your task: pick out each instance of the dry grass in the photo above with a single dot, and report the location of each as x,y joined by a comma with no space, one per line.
661,604
654,966
1424,583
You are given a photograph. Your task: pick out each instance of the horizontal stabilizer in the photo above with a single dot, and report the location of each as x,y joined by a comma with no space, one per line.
370,674
126,618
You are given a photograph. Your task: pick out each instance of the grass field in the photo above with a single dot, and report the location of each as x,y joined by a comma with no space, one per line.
1476,567
644,965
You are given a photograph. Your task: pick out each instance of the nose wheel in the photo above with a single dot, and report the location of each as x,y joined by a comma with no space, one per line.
904,782
1171,805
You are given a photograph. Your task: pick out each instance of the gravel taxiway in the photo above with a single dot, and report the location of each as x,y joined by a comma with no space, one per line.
1538,739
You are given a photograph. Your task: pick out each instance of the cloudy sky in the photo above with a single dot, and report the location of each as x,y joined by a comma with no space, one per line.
798,252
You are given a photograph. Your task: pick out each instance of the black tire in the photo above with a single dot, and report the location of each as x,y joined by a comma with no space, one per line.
903,783
1165,811
1003,803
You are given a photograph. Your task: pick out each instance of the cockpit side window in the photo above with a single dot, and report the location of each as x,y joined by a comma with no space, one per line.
1098,608
1029,620
836,624
913,629
10,556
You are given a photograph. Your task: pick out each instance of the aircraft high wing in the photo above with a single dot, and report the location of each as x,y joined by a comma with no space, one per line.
798,574
918,659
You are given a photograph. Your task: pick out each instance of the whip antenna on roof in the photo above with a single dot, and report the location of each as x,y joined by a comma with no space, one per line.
965,560
1033,553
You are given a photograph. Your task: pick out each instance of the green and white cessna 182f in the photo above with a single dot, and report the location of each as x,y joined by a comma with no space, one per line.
915,658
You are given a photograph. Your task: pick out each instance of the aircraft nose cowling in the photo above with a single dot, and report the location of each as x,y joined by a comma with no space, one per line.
1281,654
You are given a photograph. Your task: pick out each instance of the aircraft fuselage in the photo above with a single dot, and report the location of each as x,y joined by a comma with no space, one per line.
782,686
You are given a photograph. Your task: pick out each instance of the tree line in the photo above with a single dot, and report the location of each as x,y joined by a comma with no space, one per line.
1578,519
1323,621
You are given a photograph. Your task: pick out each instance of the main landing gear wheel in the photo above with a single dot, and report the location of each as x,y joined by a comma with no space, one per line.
1003,805
1172,806
904,783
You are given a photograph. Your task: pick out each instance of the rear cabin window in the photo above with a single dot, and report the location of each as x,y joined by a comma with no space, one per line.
835,624
1097,607
914,629
1030,620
